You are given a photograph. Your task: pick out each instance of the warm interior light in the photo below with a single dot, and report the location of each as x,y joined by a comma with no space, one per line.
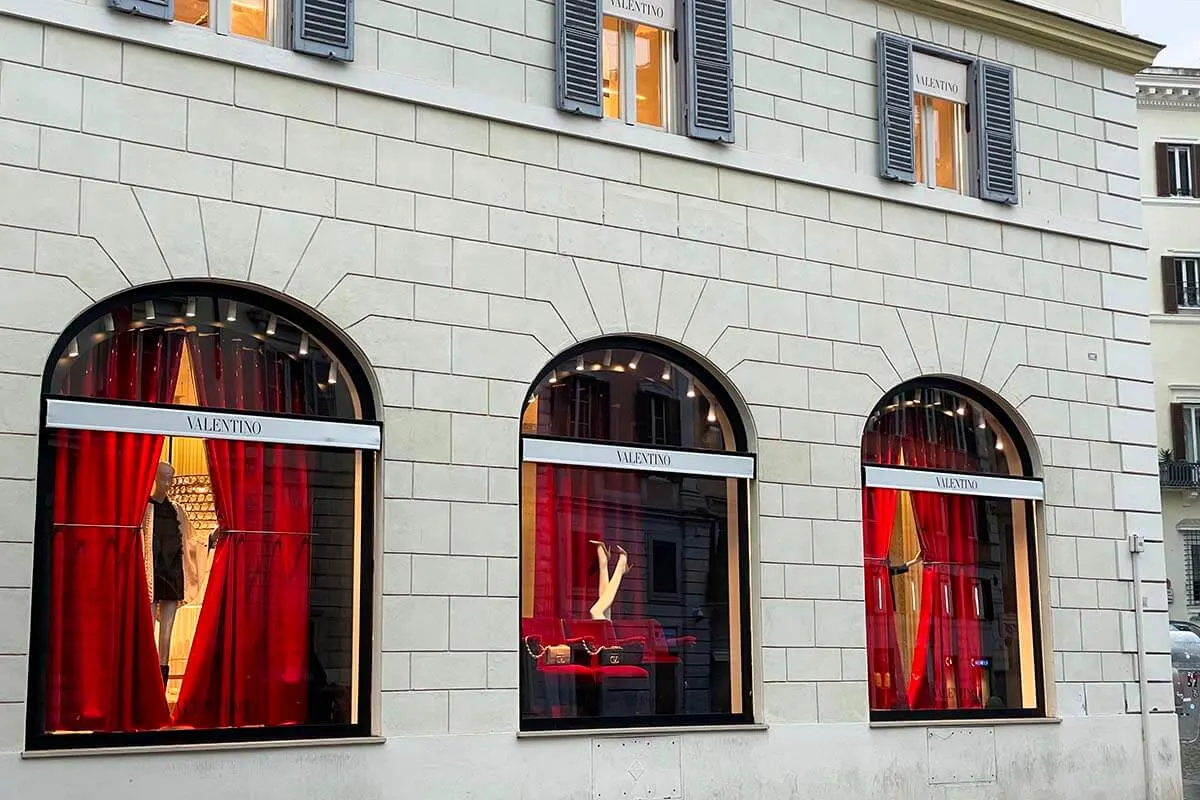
304,344
962,411
73,349
553,377
633,362
151,312
190,311
666,373
691,390
271,323
232,315
608,358
712,414
109,325
332,373
999,445
579,364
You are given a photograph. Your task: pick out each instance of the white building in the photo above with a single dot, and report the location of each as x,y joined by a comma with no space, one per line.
519,367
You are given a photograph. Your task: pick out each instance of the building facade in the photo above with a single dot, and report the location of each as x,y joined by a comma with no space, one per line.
577,399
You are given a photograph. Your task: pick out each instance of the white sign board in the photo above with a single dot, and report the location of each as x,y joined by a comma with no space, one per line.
939,77
656,13
915,480
209,424
639,459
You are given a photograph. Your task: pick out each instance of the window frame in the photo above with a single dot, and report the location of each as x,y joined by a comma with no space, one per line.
1180,170
221,20
627,74
1191,567
1039,708
36,737
746,582
967,151
1183,265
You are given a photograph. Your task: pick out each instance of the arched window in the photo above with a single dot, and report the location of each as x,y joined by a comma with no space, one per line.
951,555
203,551
634,556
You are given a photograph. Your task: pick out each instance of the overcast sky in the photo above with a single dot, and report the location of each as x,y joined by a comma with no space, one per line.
1175,23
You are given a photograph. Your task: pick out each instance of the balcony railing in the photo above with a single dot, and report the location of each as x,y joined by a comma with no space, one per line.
1179,474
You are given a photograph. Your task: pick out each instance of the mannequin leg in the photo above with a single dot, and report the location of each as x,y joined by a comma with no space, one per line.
602,563
603,607
166,624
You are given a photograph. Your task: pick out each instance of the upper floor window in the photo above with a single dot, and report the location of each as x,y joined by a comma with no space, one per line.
619,58
1180,283
322,28
1185,432
1177,169
946,120
202,549
634,545
951,555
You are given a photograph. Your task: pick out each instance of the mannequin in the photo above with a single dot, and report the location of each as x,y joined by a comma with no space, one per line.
602,609
166,534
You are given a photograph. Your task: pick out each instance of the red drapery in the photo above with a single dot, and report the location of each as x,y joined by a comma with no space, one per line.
102,669
249,660
947,667
575,507
879,514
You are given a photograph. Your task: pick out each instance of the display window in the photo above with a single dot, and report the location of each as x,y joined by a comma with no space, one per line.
951,553
638,72
203,564
634,555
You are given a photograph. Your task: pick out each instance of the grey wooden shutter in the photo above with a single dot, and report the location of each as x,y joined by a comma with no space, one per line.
579,26
1162,169
1170,286
155,9
897,156
995,129
324,28
707,32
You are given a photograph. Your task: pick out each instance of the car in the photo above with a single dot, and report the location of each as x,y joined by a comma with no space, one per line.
1190,626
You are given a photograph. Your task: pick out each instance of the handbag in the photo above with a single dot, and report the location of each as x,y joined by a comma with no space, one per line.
613,656
556,655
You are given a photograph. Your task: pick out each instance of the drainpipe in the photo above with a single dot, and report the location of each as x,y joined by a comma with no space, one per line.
1137,546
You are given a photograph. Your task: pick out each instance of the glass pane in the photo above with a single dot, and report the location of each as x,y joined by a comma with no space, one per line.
611,67
630,595
946,142
649,57
199,584
949,613
939,429
619,395
250,18
242,356
919,136
193,12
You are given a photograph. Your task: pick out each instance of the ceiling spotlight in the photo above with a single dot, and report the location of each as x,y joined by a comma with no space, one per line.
633,362
712,414
554,377
109,325
271,323
962,411
579,364
691,392
666,375
608,358
151,312
73,349
982,425
304,344
332,373
232,315
190,310
999,445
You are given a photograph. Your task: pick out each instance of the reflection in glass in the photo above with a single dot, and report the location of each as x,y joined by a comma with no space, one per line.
193,12
249,18
611,69
648,48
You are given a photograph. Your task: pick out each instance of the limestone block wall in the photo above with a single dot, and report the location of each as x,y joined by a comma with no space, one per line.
459,253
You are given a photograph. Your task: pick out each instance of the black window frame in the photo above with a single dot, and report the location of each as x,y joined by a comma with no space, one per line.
37,739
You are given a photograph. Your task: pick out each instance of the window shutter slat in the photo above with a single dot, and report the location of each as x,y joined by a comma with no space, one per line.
1170,286
995,127
324,28
154,9
708,43
1178,433
897,157
1162,169
579,56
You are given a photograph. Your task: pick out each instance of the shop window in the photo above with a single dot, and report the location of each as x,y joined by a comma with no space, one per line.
638,78
634,550
950,543
323,28
202,567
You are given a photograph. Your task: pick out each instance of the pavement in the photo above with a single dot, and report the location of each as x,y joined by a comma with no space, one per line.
1190,756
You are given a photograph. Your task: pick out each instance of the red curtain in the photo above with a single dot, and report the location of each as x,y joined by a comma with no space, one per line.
249,661
575,507
102,669
879,518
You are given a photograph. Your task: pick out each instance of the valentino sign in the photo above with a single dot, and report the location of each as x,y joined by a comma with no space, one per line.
657,13
939,77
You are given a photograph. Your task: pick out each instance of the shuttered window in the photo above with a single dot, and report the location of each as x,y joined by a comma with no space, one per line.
323,28
649,64
942,116
1180,283
1177,169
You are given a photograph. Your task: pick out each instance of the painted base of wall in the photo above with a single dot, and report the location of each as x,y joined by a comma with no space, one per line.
1085,757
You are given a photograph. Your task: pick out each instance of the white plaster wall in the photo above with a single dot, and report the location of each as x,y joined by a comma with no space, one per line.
460,253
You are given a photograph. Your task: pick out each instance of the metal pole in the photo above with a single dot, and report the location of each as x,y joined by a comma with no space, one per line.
1137,546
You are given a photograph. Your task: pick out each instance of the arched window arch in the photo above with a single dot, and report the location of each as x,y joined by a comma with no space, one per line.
634,551
951,557
203,551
